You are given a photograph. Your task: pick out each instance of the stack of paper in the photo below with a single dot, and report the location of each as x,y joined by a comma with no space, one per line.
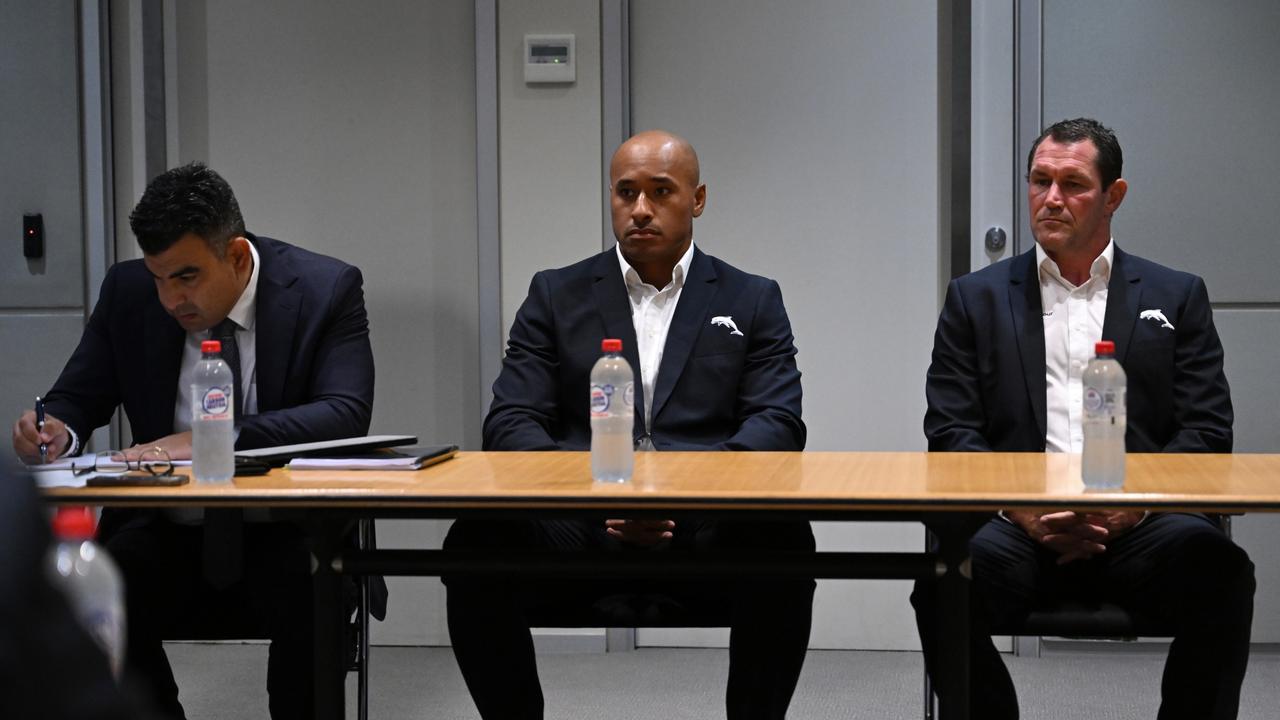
388,463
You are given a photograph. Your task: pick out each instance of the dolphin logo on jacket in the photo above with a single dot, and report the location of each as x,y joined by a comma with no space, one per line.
726,321
1157,315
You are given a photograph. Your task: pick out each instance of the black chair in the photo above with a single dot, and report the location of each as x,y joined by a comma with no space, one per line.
361,599
1079,620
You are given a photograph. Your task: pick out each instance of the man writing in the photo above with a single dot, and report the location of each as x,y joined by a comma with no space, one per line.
1009,353
294,330
702,386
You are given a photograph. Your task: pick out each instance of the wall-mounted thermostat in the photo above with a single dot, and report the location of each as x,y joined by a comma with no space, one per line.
549,59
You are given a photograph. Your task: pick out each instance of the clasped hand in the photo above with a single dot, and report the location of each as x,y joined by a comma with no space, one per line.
1075,535
640,532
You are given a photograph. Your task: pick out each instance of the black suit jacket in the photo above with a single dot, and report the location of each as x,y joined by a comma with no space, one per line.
314,361
714,390
986,383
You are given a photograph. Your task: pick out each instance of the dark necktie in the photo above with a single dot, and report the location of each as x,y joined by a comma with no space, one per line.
223,527
225,333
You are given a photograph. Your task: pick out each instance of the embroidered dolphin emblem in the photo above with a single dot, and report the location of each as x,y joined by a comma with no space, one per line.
1156,315
726,321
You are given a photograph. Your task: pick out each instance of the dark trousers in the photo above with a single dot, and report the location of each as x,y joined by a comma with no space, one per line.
168,598
1176,568
489,619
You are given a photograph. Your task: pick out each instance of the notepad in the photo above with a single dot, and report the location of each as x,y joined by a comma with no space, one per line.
414,458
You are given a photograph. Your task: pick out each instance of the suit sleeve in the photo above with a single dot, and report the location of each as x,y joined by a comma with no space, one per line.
769,393
955,416
340,402
526,394
87,391
1201,396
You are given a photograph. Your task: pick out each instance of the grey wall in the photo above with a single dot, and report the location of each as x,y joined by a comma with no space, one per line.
1191,92
549,147
816,125
349,129
41,301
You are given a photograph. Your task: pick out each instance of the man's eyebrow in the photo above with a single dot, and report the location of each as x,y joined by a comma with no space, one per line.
185,270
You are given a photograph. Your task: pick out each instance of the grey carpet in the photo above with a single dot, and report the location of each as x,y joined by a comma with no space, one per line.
228,681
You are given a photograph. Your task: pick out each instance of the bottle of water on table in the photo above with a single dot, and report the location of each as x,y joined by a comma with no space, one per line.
1105,418
212,417
90,580
612,415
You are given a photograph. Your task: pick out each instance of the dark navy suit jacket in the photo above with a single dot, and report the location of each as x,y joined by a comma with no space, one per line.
314,361
714,390
986,384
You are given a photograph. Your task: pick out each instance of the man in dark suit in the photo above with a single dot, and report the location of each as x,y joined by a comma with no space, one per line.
296,322
1008,357
715,362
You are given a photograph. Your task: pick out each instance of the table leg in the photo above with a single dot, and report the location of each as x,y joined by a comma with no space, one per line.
328,665
953,619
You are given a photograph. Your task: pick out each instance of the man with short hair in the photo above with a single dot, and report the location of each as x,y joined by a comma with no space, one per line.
715,370
1009,354
296,323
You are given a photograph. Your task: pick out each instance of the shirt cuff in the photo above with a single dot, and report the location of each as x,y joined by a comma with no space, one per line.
73,448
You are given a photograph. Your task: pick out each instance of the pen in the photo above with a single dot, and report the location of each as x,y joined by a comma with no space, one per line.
44,447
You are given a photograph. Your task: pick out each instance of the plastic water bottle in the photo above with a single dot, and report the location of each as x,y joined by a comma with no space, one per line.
612,415
91,582
212,421
1105,418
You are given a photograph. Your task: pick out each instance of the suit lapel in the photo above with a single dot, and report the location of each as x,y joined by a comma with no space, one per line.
615,314
1028,328
1124,292
278,305
691,312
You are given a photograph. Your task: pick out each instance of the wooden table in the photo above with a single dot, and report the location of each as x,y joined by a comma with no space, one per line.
951,491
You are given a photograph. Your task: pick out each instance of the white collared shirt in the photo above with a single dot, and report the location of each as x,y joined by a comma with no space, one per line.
244,314
651,313
1072,327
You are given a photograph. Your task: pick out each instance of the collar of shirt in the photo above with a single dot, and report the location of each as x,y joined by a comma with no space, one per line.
245,309
632,278
1101,267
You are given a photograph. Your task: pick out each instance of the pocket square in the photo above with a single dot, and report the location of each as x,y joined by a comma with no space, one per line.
726,321
1157,315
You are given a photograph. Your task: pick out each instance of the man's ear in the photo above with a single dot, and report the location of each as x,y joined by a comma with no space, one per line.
1115,195
239,254
699,199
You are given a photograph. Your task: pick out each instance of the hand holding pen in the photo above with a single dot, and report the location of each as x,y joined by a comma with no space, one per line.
28,436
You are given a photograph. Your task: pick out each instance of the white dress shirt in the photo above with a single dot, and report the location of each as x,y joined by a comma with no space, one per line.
651,313
243,313
1073,318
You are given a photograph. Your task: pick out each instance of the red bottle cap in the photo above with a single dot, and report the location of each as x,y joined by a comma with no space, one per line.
1105,347
611,345
211,346
73,523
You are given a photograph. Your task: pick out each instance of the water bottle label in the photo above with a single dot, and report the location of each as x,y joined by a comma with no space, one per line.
600,396
1103,402
629,397
1092,400
216,403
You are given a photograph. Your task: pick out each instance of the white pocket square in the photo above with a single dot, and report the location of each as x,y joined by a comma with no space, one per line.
1157,315
726,321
